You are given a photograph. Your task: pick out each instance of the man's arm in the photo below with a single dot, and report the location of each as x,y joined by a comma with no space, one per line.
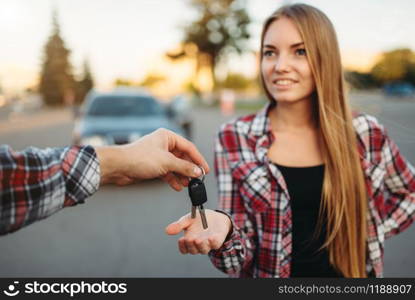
37,183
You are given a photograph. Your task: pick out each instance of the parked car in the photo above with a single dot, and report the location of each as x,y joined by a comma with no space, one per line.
179,109
400,89
120,117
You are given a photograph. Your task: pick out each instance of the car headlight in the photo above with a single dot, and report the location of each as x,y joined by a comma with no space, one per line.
94,140
134,136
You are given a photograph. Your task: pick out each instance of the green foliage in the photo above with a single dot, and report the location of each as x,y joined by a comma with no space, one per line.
395,65
123,82
191,88
236,81
359,80
222,25
149,81
152,79
221,28
56,79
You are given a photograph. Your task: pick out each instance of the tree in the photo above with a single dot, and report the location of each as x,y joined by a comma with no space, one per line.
236,81
85,84
395,65
123,82
361,80
221,28
152,79
56,79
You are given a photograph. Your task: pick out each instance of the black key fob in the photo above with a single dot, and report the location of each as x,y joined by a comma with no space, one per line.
197,192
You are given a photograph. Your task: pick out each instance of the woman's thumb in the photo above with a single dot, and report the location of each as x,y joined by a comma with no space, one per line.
178,226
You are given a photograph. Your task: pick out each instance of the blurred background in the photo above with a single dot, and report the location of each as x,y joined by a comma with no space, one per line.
72,72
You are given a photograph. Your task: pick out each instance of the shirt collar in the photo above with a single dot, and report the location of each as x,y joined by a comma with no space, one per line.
260,134
261,124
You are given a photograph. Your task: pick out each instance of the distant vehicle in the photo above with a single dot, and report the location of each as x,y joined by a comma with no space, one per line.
121,117
400,89
180,110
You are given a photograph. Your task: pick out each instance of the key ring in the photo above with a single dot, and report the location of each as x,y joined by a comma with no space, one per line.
203,173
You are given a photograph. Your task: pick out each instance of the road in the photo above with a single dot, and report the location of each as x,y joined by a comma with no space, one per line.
119,232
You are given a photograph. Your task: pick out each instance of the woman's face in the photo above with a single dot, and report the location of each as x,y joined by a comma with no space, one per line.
285,68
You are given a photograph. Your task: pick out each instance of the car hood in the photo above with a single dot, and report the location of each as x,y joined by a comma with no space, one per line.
124,125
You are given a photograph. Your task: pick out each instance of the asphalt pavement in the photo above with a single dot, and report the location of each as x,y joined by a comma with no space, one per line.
119,232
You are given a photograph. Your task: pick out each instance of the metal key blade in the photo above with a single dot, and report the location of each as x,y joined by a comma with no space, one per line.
203,217
193,211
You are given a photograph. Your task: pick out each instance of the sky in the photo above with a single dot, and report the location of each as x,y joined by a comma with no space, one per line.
122,39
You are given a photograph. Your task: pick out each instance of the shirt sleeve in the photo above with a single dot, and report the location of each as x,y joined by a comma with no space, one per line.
399,189
236,254
36,183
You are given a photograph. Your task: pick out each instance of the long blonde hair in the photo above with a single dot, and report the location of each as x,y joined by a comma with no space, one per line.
344,198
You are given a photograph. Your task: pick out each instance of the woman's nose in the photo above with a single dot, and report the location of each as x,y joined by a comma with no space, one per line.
282,64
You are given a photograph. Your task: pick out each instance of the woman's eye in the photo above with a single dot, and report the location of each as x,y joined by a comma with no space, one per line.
301,52
268,53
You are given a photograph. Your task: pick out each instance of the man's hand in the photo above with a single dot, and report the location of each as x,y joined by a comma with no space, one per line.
161,154
197,240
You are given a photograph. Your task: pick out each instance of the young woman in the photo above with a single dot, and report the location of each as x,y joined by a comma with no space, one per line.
305,187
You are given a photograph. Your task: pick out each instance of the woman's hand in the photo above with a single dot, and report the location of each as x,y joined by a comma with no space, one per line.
197,240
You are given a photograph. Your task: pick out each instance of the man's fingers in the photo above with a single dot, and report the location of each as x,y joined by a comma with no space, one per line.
178,226
184,180
176,142
182,167
173,181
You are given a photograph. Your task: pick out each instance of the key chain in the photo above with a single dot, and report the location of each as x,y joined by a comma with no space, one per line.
197,194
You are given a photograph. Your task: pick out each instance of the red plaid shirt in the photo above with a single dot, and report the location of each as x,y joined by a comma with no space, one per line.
35,183
253,192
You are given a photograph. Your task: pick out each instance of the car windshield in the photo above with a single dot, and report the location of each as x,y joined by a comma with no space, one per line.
110,106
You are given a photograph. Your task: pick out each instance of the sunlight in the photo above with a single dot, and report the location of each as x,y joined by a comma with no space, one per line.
10,14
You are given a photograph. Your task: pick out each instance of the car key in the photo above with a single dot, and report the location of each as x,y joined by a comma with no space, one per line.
197,194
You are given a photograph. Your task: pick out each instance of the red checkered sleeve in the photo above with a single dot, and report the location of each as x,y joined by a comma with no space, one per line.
399,206
35,183
235,257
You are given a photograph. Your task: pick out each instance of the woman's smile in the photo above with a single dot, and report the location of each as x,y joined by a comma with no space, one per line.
284,84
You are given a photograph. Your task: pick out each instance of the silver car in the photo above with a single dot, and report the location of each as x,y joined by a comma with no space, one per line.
120,117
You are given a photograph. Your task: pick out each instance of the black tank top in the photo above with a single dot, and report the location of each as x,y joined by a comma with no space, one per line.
305,188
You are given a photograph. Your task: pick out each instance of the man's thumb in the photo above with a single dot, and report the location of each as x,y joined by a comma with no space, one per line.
183,167
178,226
